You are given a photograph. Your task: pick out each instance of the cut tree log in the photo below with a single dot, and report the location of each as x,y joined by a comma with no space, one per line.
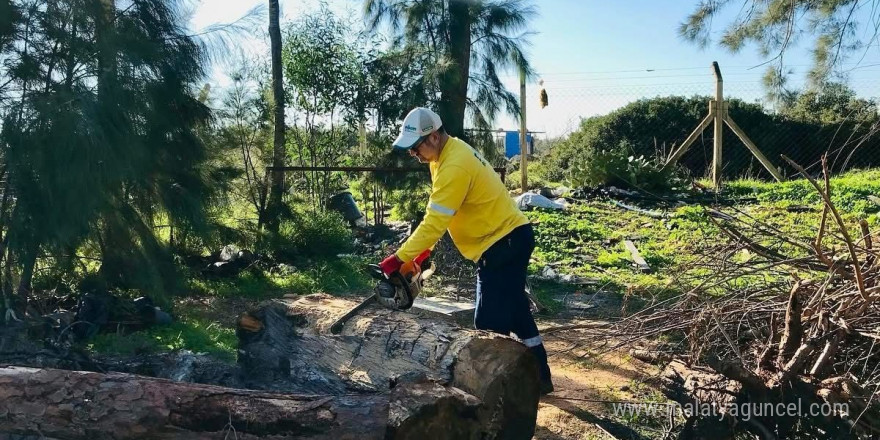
49,403
461,313
286,345
83,405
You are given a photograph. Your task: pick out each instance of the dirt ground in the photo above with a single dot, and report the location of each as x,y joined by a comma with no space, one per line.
590,377
587,385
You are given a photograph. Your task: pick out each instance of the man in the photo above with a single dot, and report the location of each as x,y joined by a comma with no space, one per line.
469,199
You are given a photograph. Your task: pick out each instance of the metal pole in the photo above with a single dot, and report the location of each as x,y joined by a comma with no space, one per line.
523,164
720,112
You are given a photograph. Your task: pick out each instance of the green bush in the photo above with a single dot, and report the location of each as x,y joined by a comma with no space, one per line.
652,127
623,170
312,234
408,205
536,173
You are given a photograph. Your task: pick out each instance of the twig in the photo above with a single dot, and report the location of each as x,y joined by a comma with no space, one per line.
592,325
860,282
652,214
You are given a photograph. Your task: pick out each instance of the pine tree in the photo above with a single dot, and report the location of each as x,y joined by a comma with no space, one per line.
835,28
100,136
470,41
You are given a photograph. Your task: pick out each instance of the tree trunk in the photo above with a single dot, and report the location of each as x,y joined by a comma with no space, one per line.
454,80
23,292
285,344
277,177
104,15
84,405
4,239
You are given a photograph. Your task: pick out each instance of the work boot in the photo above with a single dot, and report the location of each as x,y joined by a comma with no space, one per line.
543,368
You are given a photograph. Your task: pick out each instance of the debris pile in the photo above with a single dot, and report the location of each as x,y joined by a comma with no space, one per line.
808,340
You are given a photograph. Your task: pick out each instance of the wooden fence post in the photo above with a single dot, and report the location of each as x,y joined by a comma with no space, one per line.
720,111
523,149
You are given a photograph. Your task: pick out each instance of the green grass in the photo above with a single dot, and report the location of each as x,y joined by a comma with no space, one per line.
333,275
849,192
587,240
547,293
195,331
197,335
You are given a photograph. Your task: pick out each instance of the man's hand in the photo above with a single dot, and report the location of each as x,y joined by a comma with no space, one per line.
390,265
422,259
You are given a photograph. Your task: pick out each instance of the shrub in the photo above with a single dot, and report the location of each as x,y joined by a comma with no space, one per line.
409,204
536,172
623,170
652,127
312,234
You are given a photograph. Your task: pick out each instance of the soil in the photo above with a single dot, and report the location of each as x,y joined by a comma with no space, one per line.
587,383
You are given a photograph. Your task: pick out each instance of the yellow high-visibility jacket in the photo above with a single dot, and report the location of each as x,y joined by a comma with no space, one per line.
469,199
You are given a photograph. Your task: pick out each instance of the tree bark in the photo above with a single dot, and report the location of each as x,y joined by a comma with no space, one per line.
793,333
454,80
276,191
28,262
83,405
51,403
285,344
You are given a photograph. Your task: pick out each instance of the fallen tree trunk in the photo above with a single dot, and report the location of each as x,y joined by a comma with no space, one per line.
83,405
65,404
286,344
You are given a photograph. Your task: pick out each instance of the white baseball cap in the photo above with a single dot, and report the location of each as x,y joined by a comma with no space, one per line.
417,124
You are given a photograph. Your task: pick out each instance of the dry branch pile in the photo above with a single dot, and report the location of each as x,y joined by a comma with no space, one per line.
809,340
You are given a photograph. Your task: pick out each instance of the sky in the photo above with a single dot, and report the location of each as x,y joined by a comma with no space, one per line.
596,55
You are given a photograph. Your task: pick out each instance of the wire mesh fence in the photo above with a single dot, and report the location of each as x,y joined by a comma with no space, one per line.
653,119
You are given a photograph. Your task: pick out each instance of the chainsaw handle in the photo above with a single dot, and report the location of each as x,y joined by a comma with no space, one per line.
376,272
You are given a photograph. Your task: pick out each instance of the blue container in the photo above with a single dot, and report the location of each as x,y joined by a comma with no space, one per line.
511,144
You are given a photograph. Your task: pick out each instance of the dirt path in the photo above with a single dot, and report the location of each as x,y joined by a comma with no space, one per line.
589,381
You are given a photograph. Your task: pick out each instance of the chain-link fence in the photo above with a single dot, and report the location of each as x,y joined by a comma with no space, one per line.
654,120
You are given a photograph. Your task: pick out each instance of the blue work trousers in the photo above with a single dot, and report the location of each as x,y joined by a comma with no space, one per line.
502,304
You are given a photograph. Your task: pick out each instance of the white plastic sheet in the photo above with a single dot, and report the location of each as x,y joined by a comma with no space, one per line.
534,200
